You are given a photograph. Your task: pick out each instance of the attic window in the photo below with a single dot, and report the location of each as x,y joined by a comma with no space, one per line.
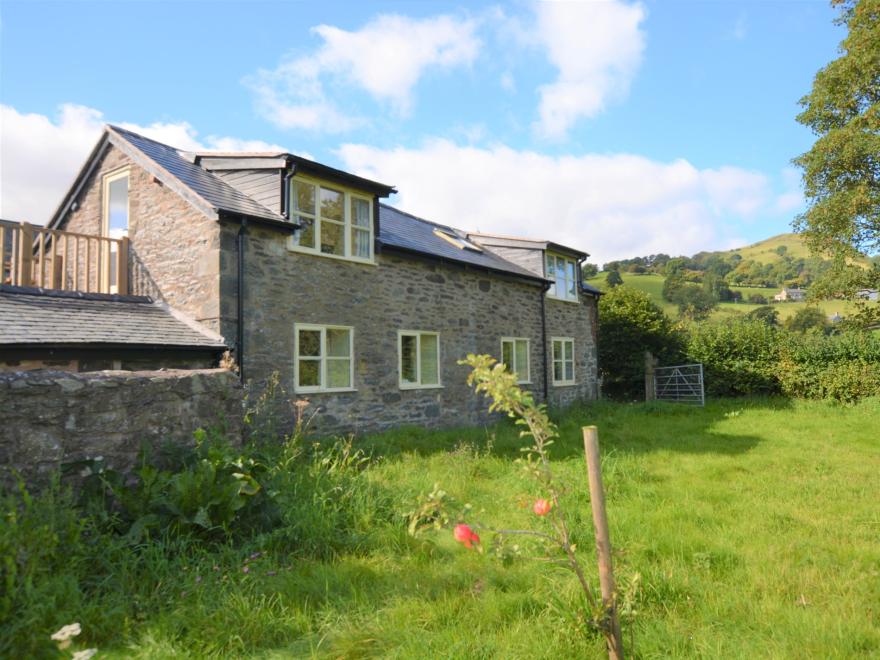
457,241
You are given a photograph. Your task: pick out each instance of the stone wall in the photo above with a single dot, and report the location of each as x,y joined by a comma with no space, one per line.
52,417
175,248
469,308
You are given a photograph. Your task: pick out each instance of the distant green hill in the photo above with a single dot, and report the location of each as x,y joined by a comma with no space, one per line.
767,251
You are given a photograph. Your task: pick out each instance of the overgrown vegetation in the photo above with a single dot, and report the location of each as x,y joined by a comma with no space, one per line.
752,524
743,356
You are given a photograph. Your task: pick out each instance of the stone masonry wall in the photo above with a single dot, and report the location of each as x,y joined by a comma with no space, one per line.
175,247
470,309
53,417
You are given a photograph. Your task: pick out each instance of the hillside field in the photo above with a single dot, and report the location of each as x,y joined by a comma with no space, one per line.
653,286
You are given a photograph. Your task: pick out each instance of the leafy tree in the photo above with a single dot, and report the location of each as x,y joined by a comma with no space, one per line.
630,324
808,318
781,250
757,299
766,314
694,302
613,279
841,173
590,270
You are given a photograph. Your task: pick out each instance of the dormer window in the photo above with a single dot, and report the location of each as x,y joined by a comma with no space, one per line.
334,221
562,272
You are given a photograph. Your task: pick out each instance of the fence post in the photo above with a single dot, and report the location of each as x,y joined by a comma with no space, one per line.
650,389
603,541
122,266
25,255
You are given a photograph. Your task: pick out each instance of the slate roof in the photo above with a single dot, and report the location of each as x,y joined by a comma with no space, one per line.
36,316
209,187
413,234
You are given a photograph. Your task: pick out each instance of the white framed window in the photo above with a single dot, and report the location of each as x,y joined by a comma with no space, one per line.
323,358
515,356
114,222
563,360
562,272
418,359
334,221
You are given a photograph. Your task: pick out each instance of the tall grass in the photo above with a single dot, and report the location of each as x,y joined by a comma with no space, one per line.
745,529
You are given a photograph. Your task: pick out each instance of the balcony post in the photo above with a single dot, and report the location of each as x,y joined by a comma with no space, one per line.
122,267
25,255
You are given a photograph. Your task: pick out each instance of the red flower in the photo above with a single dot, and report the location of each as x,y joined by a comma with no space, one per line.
467,536
541,507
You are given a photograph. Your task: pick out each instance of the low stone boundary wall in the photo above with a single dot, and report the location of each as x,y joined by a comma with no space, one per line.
52,417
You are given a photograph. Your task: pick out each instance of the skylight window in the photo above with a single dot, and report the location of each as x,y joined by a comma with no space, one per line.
457,241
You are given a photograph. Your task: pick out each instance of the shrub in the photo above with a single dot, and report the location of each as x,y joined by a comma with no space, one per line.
629,325
757,299
808,318
765,314
739,357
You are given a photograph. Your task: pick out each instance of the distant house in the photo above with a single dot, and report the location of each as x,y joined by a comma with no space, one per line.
868,294
790,295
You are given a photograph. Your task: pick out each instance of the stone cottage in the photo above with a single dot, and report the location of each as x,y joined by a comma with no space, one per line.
303,270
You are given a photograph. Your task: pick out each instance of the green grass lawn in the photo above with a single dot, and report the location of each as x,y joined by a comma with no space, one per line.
653,286
754,526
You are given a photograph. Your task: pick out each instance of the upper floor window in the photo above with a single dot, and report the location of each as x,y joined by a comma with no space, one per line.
562,272
115,222
515,357
334,221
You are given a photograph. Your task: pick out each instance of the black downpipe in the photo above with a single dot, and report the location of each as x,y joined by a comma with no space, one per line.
239,333
544,291
285,193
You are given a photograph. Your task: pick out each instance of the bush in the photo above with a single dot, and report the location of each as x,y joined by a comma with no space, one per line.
808,318
739,357
757,299
629,325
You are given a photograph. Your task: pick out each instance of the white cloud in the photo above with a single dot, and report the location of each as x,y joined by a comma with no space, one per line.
39,156
740,29
792,199
386,58
596,47
611,206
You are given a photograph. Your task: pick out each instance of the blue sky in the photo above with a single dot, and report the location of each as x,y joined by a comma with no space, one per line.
621,128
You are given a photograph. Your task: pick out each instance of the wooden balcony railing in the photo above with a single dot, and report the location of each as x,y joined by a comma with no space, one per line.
54,259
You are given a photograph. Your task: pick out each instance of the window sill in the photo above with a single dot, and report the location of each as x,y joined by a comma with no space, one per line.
565,384
309,390
403,386
315,253
565,300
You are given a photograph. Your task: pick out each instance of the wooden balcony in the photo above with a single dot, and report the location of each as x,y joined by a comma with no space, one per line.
54,259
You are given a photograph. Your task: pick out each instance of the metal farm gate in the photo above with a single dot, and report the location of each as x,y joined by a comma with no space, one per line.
682,383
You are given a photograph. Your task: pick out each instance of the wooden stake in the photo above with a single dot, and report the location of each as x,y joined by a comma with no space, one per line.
650,363
603,541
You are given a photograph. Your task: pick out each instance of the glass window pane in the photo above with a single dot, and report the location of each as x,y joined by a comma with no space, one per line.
360,212
332,238
305,236
569,270
430,375
569,350
569,371
310,343
338,372
360,243
551,267
304,197
309,373
507,355
117,206
557,371
557,350
331,204
522,359
338,342
408,359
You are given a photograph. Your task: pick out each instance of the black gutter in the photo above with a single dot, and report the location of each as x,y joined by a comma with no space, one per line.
239,331
544,339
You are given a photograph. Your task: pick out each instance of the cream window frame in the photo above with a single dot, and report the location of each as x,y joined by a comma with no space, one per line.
514,368
108,249
348,226
553,292
562,360
418,385
322,359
